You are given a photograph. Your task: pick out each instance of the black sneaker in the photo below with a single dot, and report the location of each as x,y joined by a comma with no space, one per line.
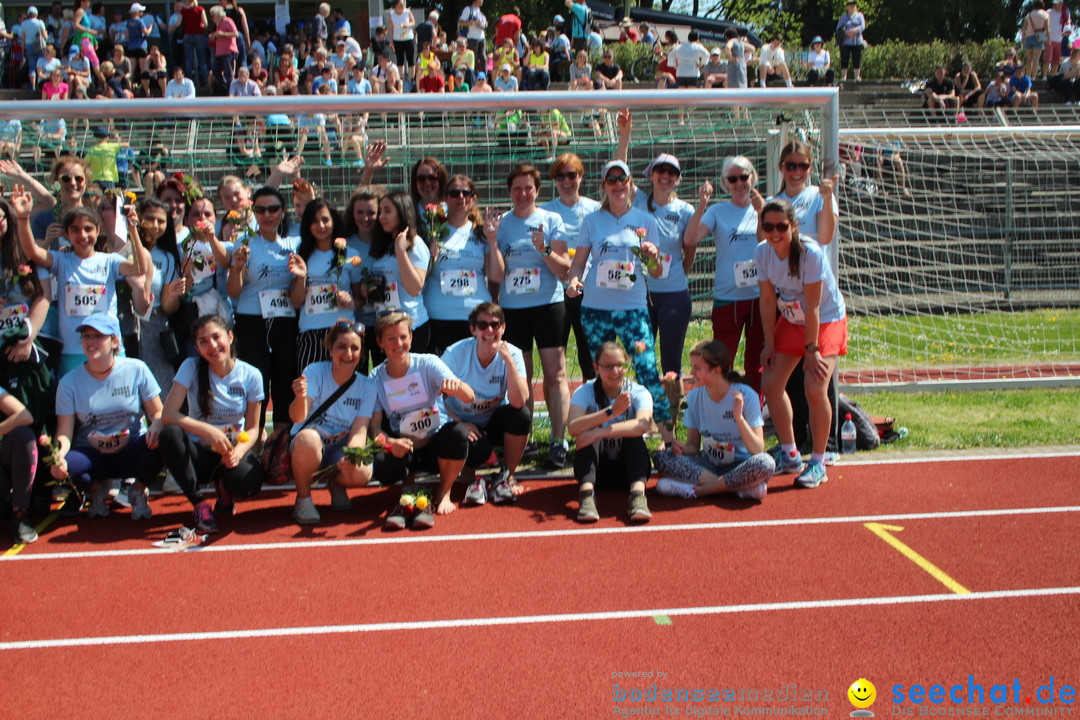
73,505
396,520
556,457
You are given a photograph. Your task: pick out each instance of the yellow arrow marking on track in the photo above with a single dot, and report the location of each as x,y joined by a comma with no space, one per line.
885,533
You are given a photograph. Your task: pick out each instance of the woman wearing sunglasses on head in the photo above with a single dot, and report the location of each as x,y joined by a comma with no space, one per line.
797,282
817,211
261,276
734,228
618,240
464,259
411,412
567,172
213,441
498,415
323,425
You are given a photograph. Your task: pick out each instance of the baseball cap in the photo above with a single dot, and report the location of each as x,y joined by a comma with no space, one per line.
817,39
663,159
506,66
481,76
558,19
715,51
136,7
611,165
32,11
104,323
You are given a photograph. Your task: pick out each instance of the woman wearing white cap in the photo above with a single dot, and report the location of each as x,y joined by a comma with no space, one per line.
100,408
819,64
620,241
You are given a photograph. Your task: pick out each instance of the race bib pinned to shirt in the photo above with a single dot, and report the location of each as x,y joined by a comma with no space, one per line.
615,275
719,452
320,299
275,303
522,281
109,443
665,265
792,311
392,298
745,274
84,300
421,423
13,316
458,283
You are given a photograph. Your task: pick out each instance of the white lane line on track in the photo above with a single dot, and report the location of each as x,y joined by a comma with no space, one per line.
531,619
569,532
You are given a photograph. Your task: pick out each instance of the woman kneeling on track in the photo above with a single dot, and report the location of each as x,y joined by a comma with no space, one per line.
499,415
421,436
725,415
214,440
608,417
332,411
796,279
109,397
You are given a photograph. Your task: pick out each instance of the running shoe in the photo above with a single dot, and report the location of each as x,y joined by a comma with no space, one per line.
787,463
304,512
501,490
424,519
118,492
756,493
99,504
339,497
812,475
22,532
831,458
140,509
477,492
587,507
674,488
556,457
639,508
396,520
204,518
224,505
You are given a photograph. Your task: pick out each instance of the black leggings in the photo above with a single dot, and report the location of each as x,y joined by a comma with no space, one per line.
18,460
630,465
507,420
451,442
189,461
270,345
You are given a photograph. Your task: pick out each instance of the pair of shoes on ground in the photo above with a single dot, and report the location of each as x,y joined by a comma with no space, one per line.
305,513
638,510
398,519
687,491
502,490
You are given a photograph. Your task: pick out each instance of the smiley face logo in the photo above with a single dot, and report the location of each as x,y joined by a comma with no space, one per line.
862,693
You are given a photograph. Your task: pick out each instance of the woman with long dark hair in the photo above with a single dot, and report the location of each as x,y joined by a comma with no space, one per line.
166,287
361,219
212,442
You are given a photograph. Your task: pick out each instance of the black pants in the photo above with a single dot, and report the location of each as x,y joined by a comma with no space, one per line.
817,78
270,345
630,465
451,442
189,461
506,420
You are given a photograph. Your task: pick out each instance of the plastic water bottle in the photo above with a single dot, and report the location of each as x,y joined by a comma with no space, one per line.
847,435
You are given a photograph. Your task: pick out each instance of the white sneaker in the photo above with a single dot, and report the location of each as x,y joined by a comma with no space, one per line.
118,491
304,512
140,509
339,497
477,492
755,493
674,488
831,457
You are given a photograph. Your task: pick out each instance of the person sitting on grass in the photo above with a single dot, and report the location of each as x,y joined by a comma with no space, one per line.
608,417
725,444
499,415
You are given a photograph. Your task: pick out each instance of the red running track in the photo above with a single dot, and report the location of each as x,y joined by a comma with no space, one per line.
544,663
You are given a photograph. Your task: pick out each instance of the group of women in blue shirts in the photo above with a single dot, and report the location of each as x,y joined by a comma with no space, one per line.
380,327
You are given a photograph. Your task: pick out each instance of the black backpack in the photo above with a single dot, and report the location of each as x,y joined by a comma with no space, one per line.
866,432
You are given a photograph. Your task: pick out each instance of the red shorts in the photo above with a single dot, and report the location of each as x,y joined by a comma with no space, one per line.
790,339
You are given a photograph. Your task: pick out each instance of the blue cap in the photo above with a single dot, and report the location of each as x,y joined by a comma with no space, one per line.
104,323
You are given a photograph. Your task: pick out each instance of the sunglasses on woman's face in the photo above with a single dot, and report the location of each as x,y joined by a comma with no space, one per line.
572,175
77,179
459,193
793,166
485,325
732,179
266,209
616,179
769,227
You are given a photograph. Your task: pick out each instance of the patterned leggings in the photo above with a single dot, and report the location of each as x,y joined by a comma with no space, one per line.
738,476
629,326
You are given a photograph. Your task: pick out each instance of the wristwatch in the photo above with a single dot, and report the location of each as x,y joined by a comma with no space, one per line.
609,412
811,347
547,251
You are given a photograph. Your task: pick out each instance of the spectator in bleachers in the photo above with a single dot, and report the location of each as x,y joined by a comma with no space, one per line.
117,30
243,33
558,45
46,64
1035,31
122,65
320,31
340,26
429,71
385,76
968,86
595,41
243,85
428,31
475,23
506,82
34,39
648,37
78,70
627,32
225,52
1059,19
715,71
1022,92
891,172
940,91
180,86
137,30
156,71
736,56
1069,84
403,35
195,44
581,72
54,88
849,34
773,62
10,138
285,74
819,64
258,73
508,27
1009,64
608,74
481,85
85,34
507,54
538,66
380,44
464,60
687,60
580,24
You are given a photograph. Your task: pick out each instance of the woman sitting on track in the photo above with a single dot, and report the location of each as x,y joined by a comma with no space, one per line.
421,435
608,417
18,461
734,227
322,429
499,414
618,239
795,277
224,399
725,415
100,407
